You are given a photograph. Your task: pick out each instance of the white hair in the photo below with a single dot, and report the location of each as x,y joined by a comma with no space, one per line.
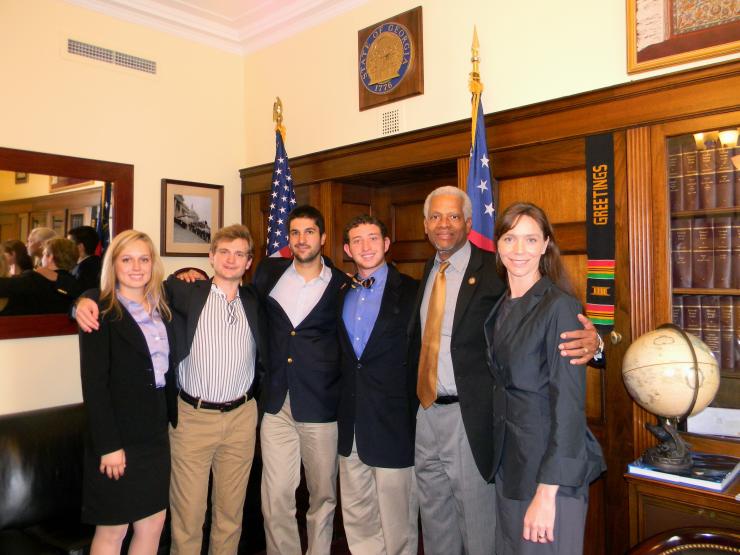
467,206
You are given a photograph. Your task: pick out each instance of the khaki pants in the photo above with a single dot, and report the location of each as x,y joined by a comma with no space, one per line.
285,444
204,440
379,508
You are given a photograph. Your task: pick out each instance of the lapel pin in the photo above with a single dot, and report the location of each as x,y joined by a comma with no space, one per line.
471,280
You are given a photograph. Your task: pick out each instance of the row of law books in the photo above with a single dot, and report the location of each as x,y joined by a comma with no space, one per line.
705,252
708,471
715,319
699,179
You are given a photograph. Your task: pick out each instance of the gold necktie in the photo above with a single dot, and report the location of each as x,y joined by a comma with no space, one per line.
426,386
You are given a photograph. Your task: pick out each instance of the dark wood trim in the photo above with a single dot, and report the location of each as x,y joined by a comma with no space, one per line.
122,175
641,236
645,102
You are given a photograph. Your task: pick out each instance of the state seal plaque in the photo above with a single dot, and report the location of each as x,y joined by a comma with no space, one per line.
390,60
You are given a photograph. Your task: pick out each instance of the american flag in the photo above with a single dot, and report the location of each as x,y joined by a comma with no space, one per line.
282,201
481,185
103,224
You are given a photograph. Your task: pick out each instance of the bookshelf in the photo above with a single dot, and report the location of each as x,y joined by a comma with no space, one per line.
702,172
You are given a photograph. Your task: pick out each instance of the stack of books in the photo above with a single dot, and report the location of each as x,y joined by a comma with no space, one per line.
708,471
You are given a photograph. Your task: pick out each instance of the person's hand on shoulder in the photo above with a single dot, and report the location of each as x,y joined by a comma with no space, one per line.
583,345
86,314
190,275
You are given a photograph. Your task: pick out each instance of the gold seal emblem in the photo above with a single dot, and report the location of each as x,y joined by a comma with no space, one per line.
385,58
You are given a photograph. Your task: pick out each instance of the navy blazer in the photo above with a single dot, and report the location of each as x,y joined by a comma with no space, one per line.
480,290
540,432
303,359
377,407
186,300
118,387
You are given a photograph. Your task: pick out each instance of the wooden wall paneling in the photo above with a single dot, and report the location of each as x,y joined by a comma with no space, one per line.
644,271
463,166
354,200
647,101
618,428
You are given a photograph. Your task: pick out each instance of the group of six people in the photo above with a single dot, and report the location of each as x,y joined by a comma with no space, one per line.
460,398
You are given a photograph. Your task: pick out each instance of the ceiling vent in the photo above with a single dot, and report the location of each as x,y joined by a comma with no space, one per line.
111,56
391,122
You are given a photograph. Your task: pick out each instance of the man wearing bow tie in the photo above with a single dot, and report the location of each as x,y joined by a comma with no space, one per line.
377,407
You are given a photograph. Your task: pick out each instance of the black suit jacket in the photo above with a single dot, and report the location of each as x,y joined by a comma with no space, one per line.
87,272
480,289
186,300
118,385
540,432
378,400
303,359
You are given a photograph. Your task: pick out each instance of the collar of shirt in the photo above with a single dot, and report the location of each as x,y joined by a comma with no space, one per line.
458,261
221,293
324,275
132,306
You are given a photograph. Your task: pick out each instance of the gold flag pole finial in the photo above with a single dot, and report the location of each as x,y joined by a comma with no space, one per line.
277,116
476,87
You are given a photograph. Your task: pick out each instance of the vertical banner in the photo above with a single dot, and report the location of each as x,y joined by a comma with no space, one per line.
600,230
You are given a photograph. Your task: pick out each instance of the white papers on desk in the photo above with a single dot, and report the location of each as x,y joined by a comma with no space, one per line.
716,422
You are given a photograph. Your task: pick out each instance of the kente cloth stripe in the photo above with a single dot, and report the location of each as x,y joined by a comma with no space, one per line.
600,214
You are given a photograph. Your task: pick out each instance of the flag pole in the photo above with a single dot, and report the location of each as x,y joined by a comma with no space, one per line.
474,84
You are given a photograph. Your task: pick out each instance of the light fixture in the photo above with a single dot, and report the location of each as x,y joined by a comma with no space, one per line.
699,140
728,137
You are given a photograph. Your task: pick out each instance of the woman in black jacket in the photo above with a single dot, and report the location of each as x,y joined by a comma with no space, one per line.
544,454
48,289
126,367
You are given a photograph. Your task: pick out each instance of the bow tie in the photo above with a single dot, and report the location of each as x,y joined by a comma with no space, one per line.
366,283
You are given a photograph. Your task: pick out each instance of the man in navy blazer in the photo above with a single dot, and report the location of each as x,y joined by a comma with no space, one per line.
377,407
300,391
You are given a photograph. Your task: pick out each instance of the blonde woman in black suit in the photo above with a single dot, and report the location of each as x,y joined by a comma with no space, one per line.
544,454
127,387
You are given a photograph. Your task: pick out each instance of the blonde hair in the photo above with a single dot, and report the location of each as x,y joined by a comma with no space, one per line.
231,233
154,290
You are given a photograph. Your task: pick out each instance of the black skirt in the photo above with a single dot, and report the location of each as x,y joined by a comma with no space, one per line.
143,490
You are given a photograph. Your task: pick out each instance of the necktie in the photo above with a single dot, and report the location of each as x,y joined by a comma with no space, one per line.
366,283
426,386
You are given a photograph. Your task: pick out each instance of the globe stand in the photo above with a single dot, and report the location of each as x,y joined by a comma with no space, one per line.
673,454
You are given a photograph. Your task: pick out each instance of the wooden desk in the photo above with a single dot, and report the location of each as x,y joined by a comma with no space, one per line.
659,506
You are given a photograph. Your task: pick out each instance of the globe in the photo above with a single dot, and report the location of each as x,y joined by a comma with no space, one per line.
658,371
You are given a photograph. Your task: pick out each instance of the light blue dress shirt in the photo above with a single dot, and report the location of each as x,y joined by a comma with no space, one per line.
361,308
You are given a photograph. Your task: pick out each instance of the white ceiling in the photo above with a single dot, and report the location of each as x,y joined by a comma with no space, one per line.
240,26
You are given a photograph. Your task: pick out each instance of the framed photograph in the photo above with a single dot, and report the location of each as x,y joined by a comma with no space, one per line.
663,33
191,212
21,178
57,183
391,60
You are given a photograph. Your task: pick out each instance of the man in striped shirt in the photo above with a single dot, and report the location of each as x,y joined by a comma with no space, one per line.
217,336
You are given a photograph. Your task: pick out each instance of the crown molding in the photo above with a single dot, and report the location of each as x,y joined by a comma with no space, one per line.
256,27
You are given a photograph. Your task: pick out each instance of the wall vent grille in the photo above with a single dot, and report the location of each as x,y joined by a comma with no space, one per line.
390,122
111,56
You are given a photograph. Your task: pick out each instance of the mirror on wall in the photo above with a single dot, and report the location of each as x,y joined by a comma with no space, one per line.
59,192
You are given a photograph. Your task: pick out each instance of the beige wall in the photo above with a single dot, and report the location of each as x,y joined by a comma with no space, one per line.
187,122
530,51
